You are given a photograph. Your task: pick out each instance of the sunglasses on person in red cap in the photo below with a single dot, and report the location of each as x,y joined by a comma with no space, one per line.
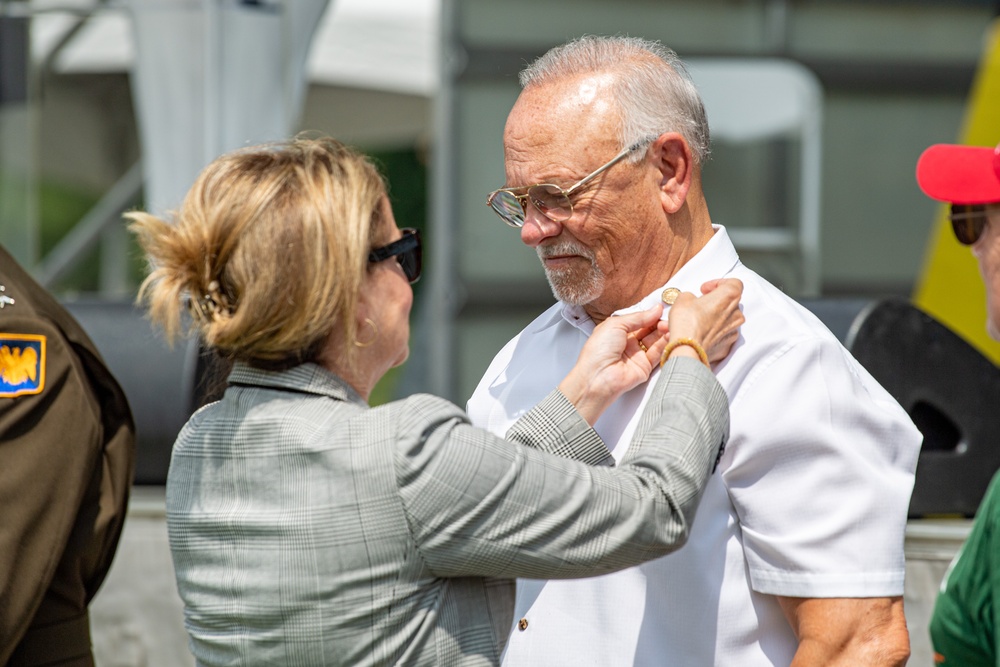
968,221
968,178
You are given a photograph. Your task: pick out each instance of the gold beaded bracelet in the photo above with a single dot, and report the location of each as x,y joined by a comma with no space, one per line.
690,342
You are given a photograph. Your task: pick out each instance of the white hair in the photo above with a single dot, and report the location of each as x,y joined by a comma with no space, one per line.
652,88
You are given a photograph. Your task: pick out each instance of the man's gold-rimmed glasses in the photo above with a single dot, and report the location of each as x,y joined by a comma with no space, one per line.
552,201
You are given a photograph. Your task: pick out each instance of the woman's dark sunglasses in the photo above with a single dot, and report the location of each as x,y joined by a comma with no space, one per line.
407,252
968,221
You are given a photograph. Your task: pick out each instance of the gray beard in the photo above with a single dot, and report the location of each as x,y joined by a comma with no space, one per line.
577,287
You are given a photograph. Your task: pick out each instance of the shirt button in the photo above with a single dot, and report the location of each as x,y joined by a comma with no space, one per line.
670,295
522,624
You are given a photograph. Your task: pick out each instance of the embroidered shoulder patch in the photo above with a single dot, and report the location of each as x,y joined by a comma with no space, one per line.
22,364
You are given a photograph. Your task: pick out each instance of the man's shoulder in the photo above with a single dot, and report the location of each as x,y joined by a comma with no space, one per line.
773,314
27,308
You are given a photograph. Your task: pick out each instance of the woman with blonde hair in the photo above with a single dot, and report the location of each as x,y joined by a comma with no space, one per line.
307,527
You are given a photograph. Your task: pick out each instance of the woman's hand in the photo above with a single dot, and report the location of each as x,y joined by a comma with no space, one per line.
619,355
713,320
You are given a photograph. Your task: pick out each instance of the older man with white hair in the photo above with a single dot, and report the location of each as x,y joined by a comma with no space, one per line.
796,555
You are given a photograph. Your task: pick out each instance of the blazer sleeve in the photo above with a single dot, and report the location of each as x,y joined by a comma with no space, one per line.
481,505
555,427
49,446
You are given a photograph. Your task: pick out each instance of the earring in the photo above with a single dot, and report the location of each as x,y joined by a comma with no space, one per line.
370,323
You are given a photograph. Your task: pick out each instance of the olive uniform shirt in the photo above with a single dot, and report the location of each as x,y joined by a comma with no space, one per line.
66,464
963,626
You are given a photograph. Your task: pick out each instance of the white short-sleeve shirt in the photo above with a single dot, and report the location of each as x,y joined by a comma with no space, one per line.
810,498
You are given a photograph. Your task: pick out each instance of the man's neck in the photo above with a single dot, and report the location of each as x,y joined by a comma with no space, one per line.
653,275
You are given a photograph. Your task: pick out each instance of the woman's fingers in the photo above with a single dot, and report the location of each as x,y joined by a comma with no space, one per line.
655,349
712,319
638,321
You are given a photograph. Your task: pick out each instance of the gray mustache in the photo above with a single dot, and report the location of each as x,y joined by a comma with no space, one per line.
564,248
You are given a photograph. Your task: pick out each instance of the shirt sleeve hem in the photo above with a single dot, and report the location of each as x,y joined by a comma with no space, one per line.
829,585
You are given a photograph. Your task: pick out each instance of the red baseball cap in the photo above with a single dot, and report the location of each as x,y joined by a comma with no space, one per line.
960,174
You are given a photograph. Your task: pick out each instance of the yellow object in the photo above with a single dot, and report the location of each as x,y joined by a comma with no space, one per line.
950,287
22,364
690,342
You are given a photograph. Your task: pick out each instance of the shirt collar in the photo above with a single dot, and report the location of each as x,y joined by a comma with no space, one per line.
716,260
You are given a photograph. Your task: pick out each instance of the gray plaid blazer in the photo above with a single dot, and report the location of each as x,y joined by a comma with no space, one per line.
308,528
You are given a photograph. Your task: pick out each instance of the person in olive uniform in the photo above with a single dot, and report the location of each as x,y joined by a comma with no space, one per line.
67,444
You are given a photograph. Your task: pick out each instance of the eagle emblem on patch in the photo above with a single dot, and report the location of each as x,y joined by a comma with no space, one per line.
22,364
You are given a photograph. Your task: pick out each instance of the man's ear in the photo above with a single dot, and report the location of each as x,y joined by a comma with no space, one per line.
672,157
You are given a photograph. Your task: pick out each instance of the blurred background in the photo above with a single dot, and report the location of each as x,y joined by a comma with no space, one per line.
110,105
818,109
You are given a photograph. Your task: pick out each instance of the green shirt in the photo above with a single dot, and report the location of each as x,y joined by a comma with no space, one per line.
964,624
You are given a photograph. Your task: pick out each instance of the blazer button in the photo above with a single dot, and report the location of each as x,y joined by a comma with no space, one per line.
522,624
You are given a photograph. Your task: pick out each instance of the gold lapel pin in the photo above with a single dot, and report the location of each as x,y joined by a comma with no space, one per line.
670,295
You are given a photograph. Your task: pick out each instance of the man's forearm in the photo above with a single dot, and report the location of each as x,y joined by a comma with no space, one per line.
836,632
